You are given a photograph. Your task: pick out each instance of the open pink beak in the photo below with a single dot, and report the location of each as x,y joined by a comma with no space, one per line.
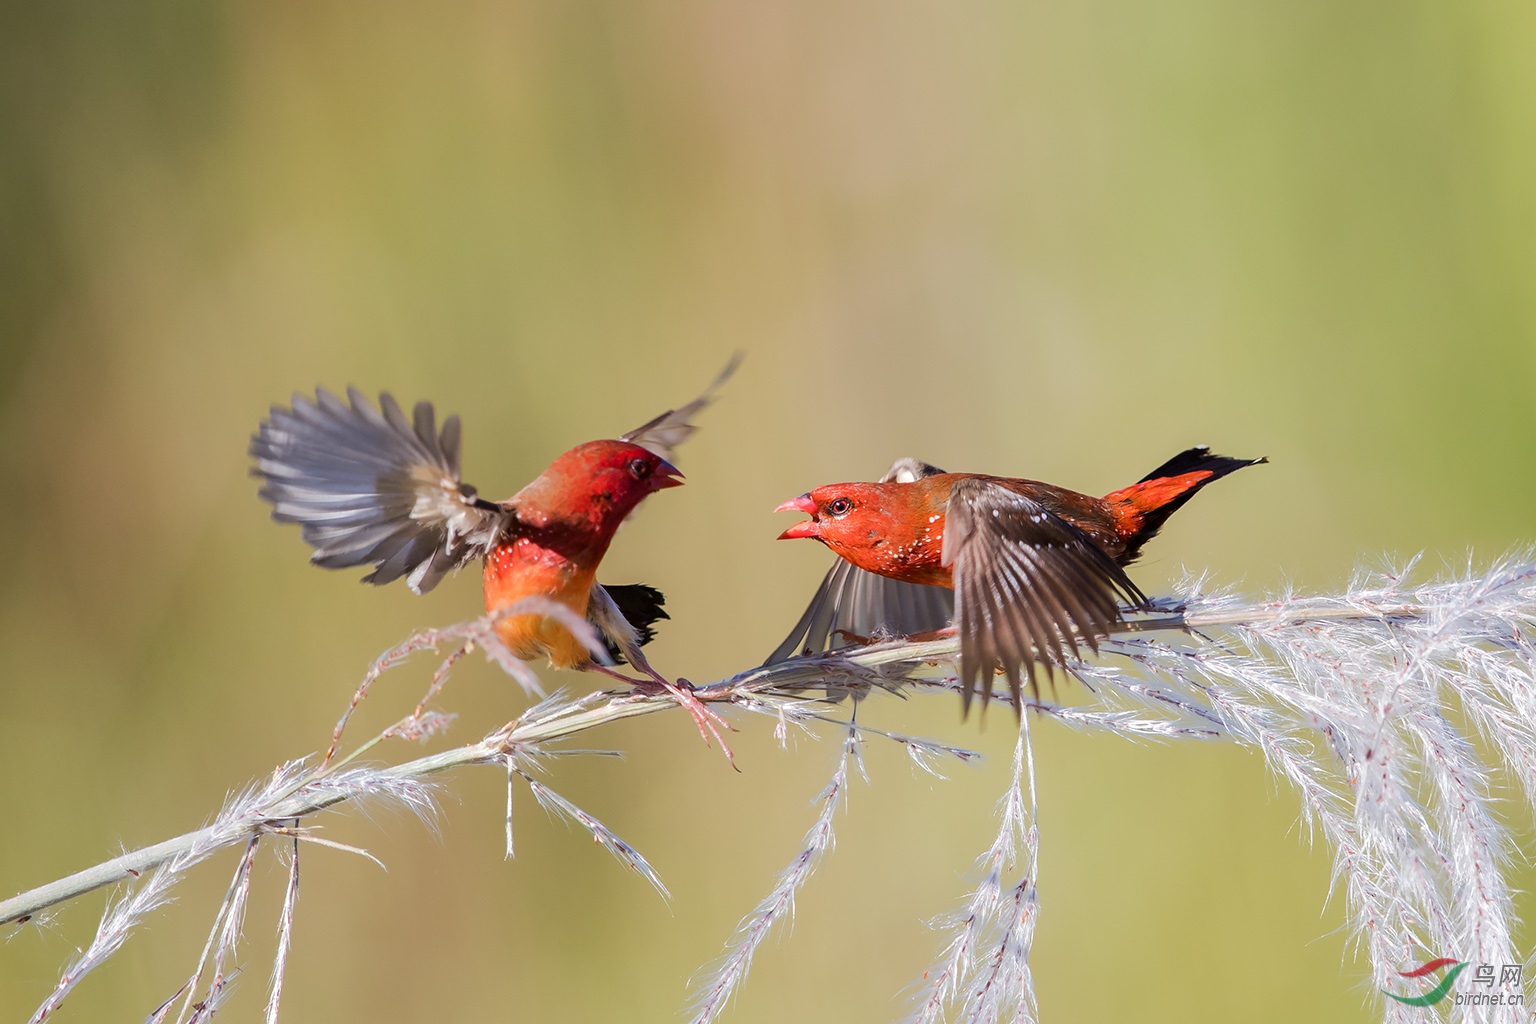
665,475
799,530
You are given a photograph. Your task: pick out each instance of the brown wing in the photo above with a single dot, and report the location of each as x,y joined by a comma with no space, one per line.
853,603
1029,586
374,488
663,434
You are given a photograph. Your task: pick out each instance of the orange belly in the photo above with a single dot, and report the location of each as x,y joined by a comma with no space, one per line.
525,569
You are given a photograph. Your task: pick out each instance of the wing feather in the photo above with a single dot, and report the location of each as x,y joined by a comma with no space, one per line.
1029,586
666,432
371,486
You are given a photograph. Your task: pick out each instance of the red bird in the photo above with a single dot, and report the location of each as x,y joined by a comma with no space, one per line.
1025,571
372,487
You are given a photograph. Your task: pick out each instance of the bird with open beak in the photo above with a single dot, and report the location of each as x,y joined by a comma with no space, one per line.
1025,572
371,487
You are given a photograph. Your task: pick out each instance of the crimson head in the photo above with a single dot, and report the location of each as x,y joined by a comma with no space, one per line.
600,482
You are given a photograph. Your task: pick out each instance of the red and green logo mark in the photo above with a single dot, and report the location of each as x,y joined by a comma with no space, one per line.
1424,970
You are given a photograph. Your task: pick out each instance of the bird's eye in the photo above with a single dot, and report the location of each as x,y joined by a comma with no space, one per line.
839,506
639,468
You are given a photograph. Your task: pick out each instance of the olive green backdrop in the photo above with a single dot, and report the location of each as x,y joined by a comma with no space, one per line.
1055,240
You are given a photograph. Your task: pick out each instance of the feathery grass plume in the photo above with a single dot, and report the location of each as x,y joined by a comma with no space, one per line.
988,921
228,926
232,825
284,933
559,807
117,922
723,978
1002,980
479,632
299,789
1370,681
1393,711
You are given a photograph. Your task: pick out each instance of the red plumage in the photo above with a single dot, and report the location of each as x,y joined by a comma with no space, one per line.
373,487
1037,569
562,525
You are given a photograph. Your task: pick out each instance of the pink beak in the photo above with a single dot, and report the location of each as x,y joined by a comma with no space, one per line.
799,530
665,475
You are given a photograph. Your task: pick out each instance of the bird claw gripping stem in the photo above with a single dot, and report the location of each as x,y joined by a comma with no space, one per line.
682,691
709,722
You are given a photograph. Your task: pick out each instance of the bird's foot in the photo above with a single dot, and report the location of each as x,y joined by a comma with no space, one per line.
709,723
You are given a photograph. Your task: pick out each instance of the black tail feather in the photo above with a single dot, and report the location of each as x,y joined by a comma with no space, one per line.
1198,458
641,606
1191,460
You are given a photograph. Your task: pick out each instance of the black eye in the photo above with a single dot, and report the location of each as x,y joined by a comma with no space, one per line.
640,468
839,506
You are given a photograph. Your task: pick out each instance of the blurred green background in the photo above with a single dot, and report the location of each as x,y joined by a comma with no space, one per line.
1062,241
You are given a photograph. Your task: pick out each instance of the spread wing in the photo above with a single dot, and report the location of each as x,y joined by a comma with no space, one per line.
663,434
852,603
851,606
1029,586
371,487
